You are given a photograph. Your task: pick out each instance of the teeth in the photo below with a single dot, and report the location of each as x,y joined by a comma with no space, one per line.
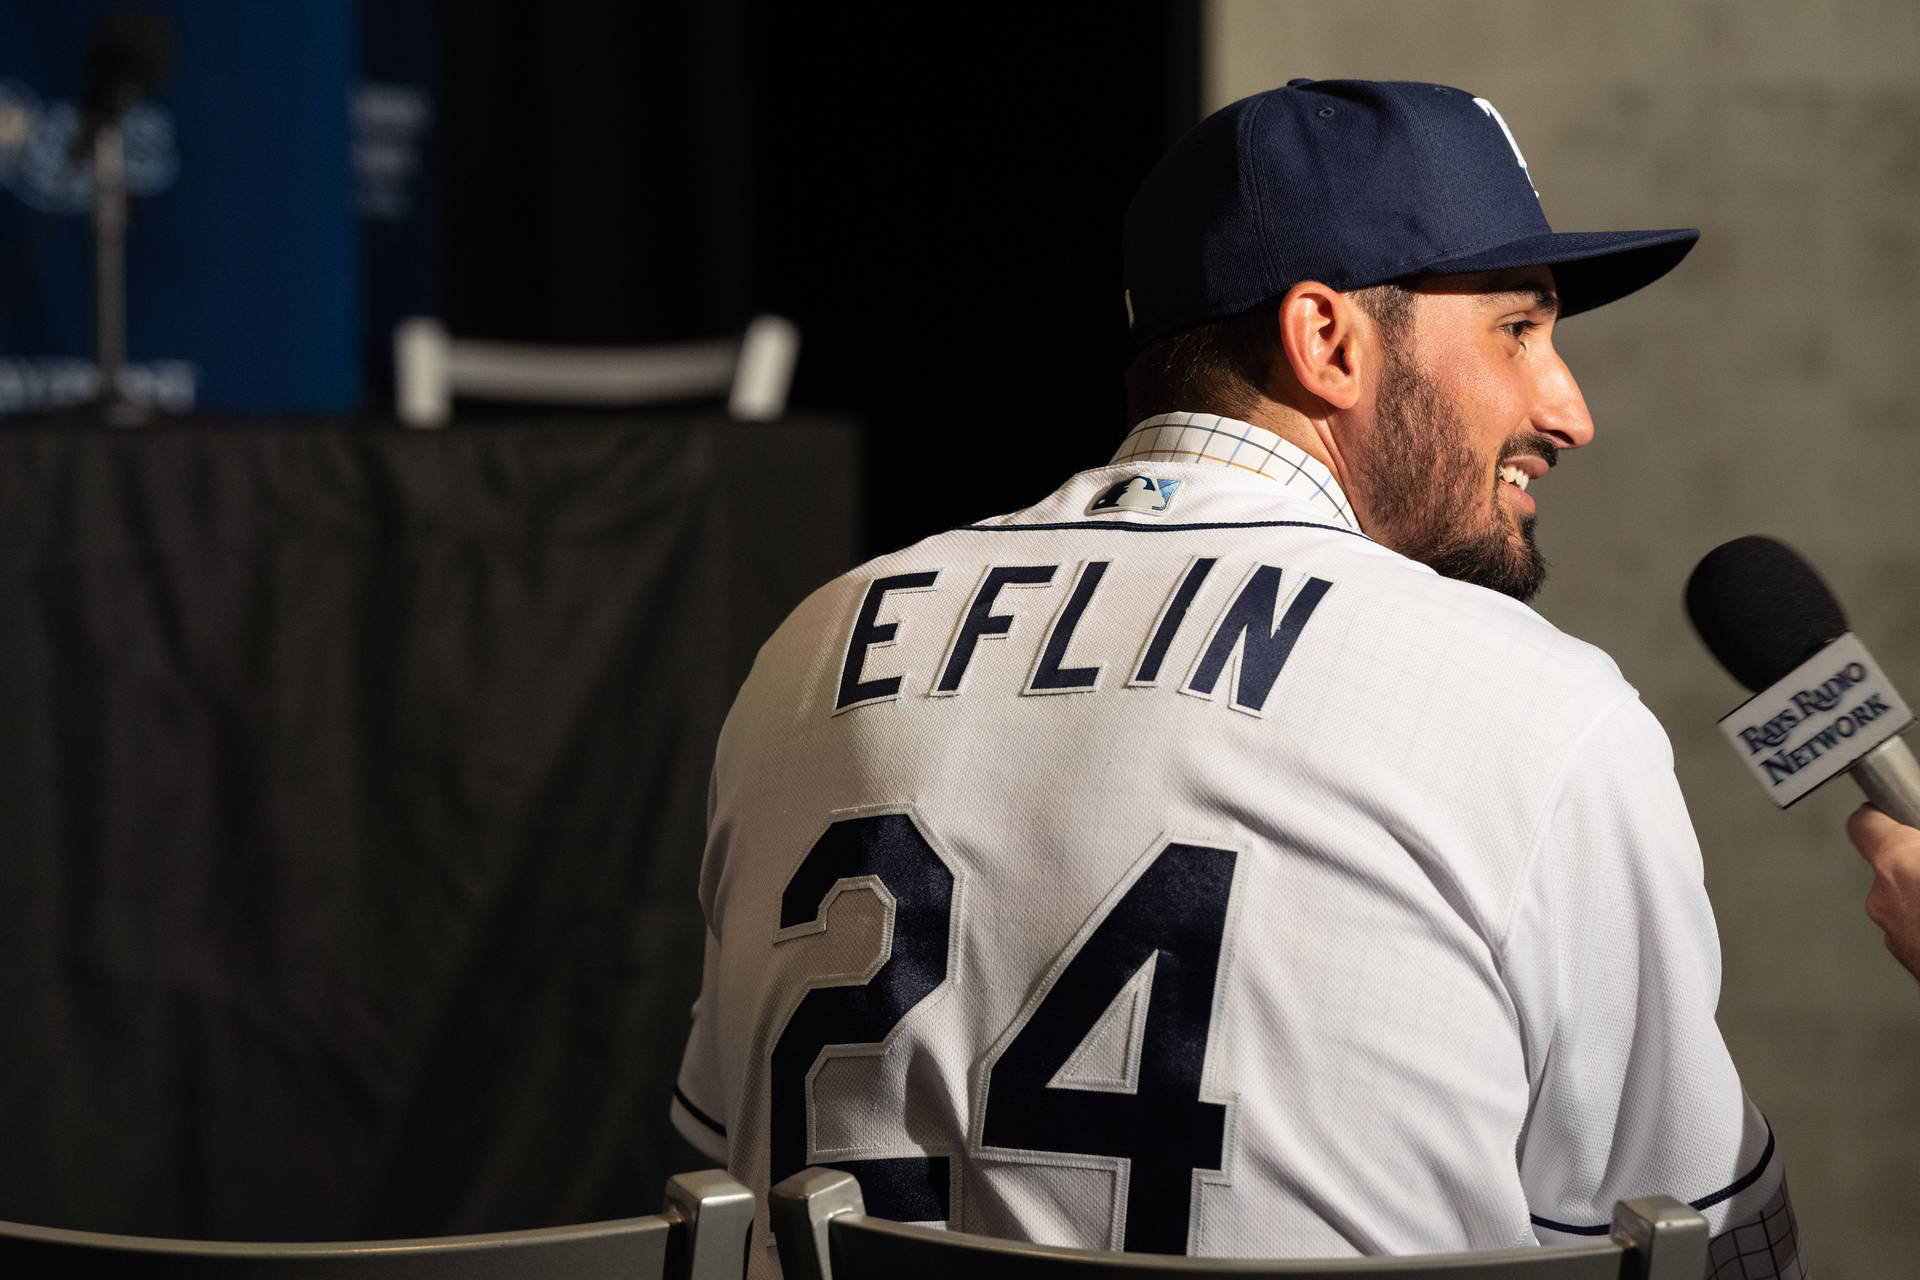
1514,476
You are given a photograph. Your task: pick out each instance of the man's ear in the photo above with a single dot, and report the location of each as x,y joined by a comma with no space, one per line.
1327,343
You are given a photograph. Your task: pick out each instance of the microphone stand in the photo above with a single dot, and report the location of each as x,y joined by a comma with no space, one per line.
110,276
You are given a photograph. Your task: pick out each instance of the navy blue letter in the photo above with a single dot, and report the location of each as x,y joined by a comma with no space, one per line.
1049,675
1170,622
866,634
981,620
1266,652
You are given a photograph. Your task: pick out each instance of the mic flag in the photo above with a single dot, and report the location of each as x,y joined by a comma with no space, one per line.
1816,721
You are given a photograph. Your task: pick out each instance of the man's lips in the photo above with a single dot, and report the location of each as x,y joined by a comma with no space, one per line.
1516,473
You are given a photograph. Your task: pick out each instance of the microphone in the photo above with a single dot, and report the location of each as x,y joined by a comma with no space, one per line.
131,52
1822,705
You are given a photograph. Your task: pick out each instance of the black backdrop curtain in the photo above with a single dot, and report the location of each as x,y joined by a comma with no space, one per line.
933,192
353,799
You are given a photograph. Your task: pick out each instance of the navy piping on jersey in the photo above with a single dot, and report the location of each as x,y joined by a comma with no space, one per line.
1158,528
719,1129
1704,1202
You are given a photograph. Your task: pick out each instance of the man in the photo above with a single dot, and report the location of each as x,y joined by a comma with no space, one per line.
1217,857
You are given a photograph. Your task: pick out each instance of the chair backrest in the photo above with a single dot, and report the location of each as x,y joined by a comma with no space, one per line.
701,1234
823,1233
752,371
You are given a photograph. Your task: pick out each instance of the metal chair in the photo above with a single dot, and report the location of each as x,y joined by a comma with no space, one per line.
823,1233
753,371
701,1234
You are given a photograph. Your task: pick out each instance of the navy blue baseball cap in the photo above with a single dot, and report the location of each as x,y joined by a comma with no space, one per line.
1352,183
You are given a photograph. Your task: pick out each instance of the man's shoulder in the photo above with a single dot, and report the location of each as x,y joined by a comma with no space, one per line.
1479,609
1471,656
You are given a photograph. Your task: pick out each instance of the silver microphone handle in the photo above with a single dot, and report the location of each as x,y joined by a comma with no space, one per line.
1891,778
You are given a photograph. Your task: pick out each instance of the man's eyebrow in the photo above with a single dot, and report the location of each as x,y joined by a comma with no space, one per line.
1539,295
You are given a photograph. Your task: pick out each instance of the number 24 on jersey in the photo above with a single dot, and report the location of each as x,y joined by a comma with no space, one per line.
1159,936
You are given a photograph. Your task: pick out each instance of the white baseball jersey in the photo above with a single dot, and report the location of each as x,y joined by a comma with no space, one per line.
1168,866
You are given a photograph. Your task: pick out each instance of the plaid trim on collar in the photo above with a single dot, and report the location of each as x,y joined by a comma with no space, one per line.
1208,437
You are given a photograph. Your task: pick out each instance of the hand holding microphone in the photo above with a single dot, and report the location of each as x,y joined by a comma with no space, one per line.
1893,851
1822,706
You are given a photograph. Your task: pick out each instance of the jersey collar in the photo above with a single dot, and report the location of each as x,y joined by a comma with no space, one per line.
1207,438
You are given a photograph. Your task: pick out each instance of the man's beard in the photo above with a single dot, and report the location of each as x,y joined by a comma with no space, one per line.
1431,499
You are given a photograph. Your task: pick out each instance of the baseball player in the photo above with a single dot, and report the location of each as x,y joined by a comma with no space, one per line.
1218,857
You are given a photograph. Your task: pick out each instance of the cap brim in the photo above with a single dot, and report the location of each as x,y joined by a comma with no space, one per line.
1590,268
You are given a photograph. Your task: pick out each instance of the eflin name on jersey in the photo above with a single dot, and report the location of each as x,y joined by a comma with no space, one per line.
1245,627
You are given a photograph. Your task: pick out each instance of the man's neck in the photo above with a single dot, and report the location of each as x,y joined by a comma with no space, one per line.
1296,429
1313,436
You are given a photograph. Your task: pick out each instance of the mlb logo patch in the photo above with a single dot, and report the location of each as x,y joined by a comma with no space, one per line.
1148,495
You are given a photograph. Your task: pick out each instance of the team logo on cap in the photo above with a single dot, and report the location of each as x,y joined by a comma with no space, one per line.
1147,495
1492,111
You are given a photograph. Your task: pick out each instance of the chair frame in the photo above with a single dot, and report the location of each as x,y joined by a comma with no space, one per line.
823,1233
753,371
702,1233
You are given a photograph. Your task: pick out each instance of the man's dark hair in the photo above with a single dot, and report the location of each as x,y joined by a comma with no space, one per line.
1222,367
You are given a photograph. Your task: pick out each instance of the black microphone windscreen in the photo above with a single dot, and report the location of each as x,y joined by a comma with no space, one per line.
1760,609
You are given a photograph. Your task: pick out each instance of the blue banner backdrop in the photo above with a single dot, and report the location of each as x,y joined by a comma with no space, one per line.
243,268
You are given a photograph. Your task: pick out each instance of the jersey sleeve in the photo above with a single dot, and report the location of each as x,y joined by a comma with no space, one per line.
698,1107
1614,962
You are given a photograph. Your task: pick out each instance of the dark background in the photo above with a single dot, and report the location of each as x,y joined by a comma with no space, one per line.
933,194
355,777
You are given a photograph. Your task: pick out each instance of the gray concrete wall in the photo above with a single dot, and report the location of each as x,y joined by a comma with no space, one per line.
1765,387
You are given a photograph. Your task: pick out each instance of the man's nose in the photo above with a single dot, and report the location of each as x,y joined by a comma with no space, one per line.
1560,411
